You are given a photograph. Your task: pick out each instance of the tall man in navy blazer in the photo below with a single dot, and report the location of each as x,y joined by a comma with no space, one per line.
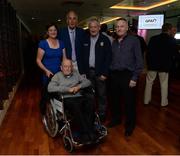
97,57
73,38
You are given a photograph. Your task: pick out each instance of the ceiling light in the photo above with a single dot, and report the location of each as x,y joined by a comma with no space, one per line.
59,20
119,6
109,20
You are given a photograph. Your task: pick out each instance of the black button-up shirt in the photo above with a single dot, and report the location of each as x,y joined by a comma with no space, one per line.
126,55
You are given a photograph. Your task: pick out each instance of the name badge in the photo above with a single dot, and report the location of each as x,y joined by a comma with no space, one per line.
101,44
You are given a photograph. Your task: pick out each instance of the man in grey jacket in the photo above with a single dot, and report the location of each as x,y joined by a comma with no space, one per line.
69,82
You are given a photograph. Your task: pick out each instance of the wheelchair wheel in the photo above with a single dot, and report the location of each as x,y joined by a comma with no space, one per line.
49,120
103,130
68,143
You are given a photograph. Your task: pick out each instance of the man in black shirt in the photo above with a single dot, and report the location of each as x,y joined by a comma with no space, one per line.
126,66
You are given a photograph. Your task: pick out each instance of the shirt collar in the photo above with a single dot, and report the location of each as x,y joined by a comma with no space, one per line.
71,30
68,76
95,37
123,38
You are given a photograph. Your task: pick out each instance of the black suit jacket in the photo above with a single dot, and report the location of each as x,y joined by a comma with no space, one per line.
161,48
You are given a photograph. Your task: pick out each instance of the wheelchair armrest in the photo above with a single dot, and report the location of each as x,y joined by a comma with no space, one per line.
56,95
87,90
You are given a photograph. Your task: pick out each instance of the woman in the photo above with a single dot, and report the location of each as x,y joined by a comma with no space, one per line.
50,53
49,56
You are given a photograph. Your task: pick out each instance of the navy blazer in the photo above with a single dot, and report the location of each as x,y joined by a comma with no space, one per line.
103,53
79,38
161,49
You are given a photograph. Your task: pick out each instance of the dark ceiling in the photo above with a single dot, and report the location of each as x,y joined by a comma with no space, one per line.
37,13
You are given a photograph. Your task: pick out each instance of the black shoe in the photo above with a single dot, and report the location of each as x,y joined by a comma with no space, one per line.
128,133
113,123
93,137
84,139
102,118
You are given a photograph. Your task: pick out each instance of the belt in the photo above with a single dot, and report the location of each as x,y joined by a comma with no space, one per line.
91,68
120,71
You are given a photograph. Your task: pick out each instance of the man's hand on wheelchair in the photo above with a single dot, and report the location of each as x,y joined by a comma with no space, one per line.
102,78
74,90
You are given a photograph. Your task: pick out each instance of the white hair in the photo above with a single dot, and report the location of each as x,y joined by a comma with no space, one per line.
93,19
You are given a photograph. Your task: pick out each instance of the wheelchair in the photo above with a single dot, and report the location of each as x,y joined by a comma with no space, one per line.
57,121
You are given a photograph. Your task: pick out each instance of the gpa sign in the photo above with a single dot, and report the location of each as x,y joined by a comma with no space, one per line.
150,21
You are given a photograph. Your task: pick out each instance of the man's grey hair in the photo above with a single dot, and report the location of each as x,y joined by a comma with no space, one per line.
93,19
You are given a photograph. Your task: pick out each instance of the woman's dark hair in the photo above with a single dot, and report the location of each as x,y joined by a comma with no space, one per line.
50,25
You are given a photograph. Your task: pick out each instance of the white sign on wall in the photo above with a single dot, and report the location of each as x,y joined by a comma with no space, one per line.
150,21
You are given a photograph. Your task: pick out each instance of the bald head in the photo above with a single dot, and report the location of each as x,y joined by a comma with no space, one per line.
67,67
72,19
66,61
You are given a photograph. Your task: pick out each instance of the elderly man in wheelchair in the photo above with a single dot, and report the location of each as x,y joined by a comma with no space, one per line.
70,93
